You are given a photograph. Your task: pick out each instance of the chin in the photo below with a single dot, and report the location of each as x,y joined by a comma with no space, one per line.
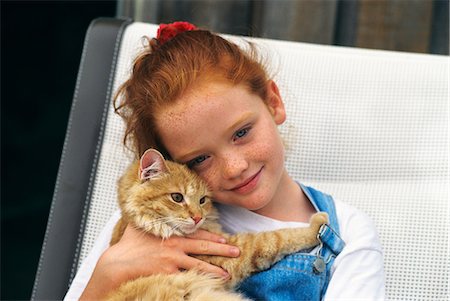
188,229
252,206
256,202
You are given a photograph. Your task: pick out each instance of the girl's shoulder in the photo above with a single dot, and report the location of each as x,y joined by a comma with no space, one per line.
356,228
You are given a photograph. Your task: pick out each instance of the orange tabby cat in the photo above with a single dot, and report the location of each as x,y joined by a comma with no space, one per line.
165,198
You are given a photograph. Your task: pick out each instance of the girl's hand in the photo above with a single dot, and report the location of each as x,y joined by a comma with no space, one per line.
138,254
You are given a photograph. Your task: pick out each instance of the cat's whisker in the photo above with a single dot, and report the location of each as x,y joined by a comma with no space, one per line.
160,220
155,225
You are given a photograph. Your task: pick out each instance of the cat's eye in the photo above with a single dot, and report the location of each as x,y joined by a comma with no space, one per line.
177,197
202,200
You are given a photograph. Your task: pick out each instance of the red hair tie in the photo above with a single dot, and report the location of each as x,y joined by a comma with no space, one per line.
166,32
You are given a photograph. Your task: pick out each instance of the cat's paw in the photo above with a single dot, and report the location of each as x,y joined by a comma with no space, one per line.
318,219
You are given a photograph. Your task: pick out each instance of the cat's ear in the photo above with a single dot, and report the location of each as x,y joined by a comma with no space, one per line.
152,164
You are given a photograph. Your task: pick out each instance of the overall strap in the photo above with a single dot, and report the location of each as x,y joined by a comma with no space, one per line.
331,239
331,243
323,202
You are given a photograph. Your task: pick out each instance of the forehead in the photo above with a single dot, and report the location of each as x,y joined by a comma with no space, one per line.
199,115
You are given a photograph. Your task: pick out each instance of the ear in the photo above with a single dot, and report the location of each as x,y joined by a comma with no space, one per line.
275,103
152,165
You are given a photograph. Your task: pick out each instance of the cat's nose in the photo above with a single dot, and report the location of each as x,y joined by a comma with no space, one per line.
196,219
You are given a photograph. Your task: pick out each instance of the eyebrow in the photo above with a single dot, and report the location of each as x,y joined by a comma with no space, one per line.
182,159
240,120
235,124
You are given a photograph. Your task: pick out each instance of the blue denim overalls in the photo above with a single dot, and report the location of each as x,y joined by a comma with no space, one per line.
301,276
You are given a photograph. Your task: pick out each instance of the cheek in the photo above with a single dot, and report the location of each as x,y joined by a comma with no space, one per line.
207,207
269,147
210,177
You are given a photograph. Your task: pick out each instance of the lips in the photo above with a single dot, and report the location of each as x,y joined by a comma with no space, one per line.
249,184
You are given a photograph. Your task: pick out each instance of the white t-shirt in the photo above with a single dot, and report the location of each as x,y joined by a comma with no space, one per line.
357,273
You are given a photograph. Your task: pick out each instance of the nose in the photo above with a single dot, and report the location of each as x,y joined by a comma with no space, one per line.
233,164
196,219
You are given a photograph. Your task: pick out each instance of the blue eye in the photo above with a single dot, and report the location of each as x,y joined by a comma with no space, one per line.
241,133
197,161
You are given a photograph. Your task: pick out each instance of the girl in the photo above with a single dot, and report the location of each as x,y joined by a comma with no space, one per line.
203,101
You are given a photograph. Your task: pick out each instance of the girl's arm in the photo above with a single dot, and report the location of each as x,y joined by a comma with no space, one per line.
359,276
138,254
358,272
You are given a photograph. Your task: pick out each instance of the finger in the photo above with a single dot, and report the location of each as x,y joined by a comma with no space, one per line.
205,247
190,263
206,235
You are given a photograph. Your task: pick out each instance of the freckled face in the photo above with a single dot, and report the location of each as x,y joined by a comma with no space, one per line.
229,137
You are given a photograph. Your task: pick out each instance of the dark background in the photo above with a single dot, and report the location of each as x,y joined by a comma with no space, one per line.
41,44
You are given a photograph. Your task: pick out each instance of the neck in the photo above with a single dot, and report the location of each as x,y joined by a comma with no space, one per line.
289,203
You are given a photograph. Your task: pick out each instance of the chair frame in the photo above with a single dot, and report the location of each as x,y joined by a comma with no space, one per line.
71,198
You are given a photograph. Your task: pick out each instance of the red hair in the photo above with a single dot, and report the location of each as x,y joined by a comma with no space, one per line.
161,74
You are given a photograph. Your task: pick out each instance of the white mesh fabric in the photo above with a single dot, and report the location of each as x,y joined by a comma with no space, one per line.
114,157
368,127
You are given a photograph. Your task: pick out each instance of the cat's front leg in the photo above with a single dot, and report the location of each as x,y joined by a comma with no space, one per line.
259,251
